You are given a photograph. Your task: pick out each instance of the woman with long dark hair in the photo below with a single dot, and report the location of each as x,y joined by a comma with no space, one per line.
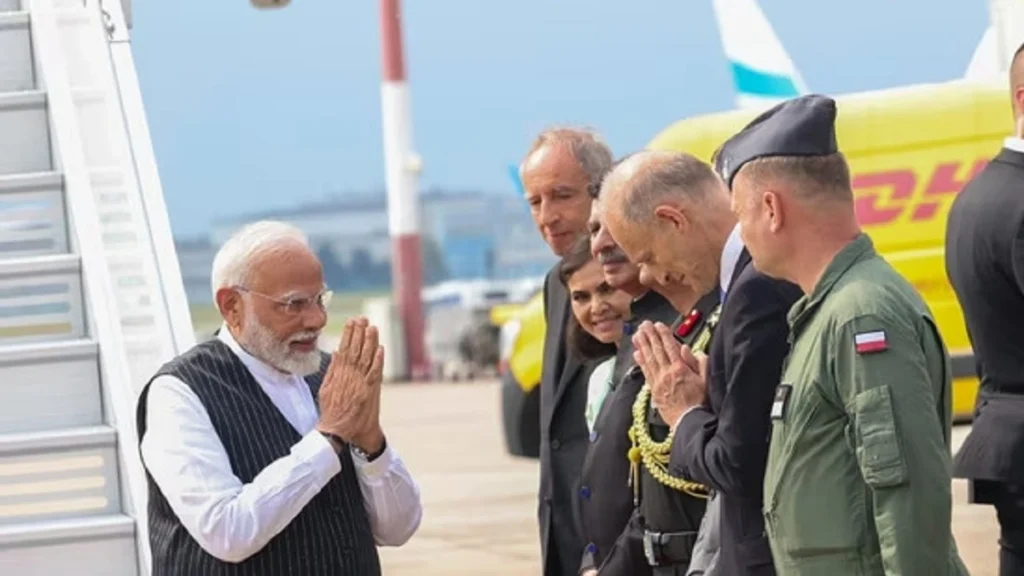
594,332
599,313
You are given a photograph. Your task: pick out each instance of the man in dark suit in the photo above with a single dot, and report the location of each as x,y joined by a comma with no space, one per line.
561,173
985,264
671,213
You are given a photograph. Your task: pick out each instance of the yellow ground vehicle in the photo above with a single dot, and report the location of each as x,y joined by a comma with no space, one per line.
910,152
521,345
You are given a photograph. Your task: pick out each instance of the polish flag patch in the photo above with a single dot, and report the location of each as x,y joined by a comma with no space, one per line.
870,342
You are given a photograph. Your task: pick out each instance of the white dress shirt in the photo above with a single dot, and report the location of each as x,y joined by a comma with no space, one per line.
598,387
231,520
1014,143
730,258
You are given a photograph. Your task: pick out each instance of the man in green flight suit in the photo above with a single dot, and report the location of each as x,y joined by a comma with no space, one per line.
858,479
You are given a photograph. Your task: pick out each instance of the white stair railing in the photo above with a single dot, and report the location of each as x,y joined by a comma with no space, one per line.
143,264
86,233
147,174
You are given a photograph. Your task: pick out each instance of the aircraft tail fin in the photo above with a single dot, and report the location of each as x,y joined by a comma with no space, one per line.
762,71
513,173
984,62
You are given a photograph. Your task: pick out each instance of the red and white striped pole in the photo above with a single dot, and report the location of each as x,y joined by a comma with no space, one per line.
402,168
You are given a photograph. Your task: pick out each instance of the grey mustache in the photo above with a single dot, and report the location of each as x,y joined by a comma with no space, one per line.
612,257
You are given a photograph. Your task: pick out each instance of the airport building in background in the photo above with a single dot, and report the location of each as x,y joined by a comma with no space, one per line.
465,236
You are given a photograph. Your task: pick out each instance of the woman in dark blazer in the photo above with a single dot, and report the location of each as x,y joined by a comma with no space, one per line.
593,333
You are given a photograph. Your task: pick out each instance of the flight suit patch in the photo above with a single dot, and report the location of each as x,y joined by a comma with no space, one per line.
781,401
870,342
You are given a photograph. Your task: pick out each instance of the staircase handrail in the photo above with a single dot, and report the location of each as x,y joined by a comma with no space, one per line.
147,174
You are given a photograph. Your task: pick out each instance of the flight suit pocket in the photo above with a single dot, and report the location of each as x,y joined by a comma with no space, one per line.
879,453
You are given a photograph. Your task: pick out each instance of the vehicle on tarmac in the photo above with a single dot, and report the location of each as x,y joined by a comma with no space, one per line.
910,151
763,74
461,338
521,348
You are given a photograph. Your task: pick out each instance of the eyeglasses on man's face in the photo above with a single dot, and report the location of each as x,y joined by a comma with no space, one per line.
295,305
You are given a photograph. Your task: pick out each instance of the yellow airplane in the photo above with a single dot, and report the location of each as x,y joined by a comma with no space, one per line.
910,150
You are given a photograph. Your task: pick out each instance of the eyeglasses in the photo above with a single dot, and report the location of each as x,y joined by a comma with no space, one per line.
295,306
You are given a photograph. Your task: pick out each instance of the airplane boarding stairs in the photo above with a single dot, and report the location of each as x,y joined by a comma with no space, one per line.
91,299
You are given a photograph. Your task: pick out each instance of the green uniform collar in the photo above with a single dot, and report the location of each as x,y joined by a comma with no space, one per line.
861,248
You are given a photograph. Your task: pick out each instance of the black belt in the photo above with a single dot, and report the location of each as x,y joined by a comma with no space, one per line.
668,548
1001,388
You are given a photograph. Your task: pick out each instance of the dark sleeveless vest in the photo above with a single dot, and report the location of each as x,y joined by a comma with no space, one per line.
330,536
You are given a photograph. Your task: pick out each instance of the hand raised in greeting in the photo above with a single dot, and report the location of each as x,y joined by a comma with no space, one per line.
350,393
675,375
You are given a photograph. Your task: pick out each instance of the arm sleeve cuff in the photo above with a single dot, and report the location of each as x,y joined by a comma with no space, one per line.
315,451
683,415
376,469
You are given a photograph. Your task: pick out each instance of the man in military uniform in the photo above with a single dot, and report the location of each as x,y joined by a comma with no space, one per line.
859,468
670,213
662,532
614,543
985,264
606,500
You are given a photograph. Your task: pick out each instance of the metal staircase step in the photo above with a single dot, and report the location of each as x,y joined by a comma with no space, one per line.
16,70
99,546
24,133
49,385
41,299
72,529
57,474
32,215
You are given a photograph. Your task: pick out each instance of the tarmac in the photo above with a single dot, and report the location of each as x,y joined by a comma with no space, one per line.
480,503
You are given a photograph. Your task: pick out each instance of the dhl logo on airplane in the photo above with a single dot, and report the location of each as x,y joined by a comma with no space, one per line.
885,197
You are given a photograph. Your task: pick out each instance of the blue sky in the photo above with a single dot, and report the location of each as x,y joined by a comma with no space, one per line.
252,110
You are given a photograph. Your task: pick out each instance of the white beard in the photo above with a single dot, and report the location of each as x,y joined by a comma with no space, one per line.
262,343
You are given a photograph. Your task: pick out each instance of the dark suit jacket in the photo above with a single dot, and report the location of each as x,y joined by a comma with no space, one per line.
726,444
563,437
606,498
985,264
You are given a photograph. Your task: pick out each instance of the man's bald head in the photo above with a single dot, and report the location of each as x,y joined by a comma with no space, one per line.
669,212
648,179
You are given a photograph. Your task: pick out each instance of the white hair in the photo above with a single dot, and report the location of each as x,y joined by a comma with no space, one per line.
232,266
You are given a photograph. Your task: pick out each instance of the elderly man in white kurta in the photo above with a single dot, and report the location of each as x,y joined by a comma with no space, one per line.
263,454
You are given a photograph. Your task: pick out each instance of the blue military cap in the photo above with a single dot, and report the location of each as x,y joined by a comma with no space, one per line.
803,126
